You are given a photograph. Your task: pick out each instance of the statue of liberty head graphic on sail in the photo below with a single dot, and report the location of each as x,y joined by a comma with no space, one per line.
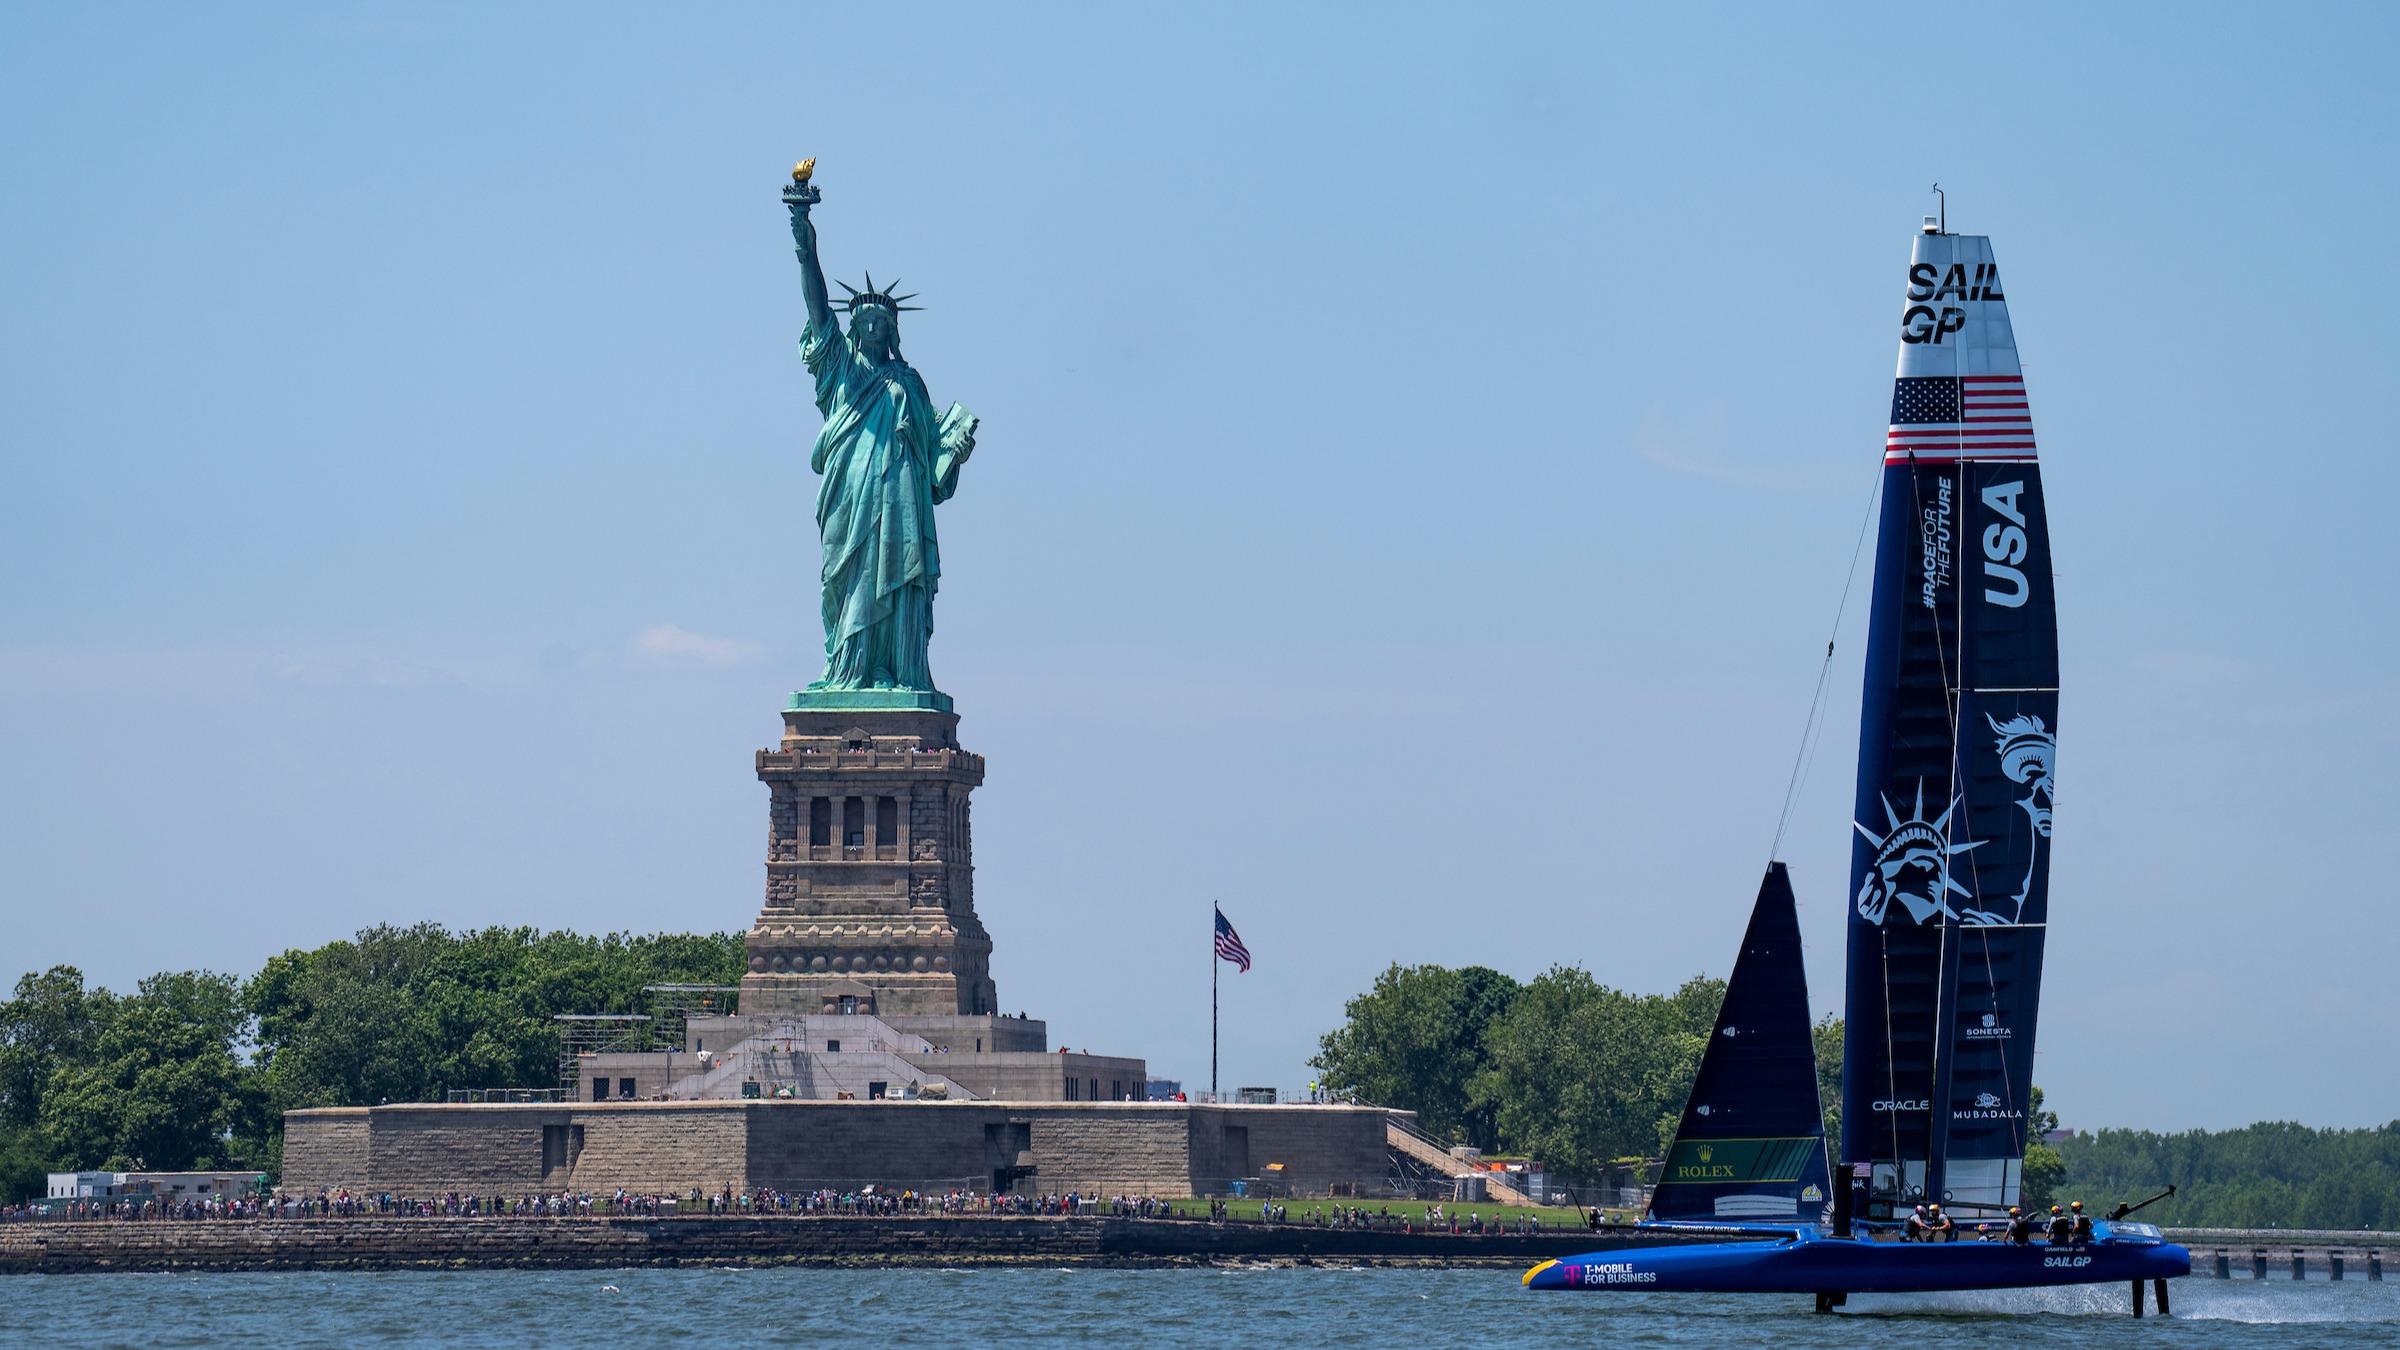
1911,864
1912,856
2028,755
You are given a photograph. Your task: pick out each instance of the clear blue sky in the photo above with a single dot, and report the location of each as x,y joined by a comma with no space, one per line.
1420,464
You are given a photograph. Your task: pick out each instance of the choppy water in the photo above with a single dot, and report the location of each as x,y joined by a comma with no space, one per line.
1319,1307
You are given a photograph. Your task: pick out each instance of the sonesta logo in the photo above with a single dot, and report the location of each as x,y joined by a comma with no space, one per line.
1990,1030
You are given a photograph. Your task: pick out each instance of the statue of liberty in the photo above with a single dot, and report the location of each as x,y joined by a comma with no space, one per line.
886,457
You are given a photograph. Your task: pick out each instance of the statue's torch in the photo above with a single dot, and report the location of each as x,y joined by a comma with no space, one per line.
802,194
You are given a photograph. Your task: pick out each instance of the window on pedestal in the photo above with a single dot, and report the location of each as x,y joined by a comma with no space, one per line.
854,822
820,822
887,827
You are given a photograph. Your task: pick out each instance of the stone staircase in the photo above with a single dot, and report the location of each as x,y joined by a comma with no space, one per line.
773,1062
1416,1144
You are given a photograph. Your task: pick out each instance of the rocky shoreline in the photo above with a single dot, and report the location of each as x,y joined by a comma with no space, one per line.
99,1245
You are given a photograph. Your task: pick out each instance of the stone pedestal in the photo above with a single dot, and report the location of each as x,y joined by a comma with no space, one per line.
870,866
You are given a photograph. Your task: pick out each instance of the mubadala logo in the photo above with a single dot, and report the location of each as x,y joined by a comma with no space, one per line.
1987,1107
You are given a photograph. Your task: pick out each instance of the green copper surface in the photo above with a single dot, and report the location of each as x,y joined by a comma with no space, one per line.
831,700
886,457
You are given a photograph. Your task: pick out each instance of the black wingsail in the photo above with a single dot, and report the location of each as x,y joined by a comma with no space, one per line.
1752,1143
1957,747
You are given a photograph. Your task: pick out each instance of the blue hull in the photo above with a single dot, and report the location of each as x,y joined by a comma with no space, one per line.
1810,1264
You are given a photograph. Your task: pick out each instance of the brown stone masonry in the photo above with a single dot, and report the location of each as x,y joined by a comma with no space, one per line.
1161,1149
398,1244
870,868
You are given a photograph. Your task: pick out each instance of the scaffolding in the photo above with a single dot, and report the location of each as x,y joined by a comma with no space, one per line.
508,1095
670,1004
582,1034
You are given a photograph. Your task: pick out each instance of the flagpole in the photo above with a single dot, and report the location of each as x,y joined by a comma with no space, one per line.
1213,962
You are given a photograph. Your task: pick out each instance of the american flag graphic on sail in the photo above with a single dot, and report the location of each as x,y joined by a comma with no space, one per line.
1938,418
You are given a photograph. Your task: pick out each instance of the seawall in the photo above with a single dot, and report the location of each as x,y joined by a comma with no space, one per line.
64,1247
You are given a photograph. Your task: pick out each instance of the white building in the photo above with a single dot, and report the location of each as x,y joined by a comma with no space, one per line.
85,1186
152,1185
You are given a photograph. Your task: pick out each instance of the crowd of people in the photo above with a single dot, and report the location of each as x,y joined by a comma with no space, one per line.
868,1202
1433,1219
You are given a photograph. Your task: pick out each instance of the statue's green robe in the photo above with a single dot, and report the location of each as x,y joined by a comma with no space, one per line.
885,464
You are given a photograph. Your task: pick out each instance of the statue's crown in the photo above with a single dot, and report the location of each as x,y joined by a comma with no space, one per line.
876,295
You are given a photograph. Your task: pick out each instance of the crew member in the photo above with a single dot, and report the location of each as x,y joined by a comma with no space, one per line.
2061,1227
1938,1227
2080,1226
1915,1229
2020,1226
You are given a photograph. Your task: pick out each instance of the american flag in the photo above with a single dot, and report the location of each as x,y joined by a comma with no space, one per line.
1229,944
1949,417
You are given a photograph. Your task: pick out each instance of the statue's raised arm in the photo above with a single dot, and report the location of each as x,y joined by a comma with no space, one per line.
799,197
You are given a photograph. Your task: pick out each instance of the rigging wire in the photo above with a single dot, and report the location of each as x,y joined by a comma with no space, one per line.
1810,732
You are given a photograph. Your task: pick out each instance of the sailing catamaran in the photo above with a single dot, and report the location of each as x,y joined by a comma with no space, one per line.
1950,893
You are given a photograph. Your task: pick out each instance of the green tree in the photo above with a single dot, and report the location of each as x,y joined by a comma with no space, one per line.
2274,1174
91,1079
1827,1034
2044,1168
51,1021
403,1014
1585,1074
161,1086
1416,1042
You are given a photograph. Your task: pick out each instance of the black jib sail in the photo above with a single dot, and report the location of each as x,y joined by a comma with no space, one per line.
1957,745
1752,1143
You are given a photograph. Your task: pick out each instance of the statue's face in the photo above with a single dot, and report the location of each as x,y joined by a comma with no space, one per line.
873,330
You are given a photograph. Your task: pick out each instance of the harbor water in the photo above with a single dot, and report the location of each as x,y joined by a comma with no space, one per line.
1181,1307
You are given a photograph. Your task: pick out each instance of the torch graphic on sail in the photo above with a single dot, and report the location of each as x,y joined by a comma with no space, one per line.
2028,755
